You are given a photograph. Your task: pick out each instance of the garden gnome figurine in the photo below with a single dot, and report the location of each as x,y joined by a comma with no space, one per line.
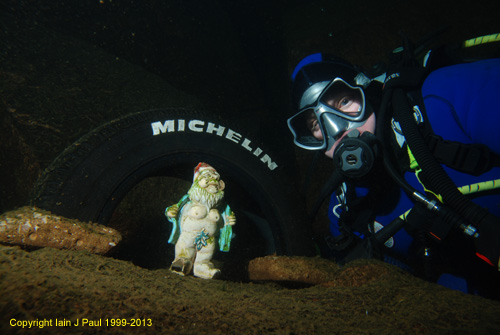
197,222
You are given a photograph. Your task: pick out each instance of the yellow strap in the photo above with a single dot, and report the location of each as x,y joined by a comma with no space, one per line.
481,186
416,168
405,214
413,162
481,40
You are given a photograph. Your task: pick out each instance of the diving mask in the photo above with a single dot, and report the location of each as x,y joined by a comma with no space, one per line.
339,107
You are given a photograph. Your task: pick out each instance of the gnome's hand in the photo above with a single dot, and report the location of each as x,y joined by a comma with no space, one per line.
173,211
231,219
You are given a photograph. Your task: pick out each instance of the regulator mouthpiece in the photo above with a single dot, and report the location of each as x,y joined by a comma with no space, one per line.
355,154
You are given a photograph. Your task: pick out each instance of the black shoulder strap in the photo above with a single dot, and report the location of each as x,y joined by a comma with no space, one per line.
474,159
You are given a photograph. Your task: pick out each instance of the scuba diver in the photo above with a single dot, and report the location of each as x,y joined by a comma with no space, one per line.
416,153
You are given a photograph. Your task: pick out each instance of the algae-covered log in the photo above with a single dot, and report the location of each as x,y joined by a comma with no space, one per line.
30,226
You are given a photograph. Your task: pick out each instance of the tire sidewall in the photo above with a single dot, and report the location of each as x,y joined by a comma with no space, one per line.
91,177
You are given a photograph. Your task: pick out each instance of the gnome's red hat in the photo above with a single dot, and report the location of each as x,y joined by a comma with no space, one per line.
200,167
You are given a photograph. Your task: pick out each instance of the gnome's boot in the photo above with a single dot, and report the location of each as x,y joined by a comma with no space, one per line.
203,268
181,266
184,256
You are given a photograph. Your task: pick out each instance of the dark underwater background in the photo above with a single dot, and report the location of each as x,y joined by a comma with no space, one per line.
234,57
67,67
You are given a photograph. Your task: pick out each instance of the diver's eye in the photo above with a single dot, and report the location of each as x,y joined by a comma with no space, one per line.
349,105
312,122
314,125
344,103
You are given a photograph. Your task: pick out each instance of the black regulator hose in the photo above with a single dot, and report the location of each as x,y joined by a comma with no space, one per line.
334,182
353,158
382,124
433,171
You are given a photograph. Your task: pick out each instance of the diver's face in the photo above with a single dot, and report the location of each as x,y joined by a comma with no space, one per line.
339,109
345,101
313,126
348,101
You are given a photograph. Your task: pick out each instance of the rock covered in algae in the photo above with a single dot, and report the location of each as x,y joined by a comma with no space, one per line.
308,270
30,226
319,271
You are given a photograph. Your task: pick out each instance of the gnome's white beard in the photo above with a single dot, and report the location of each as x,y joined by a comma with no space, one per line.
198,194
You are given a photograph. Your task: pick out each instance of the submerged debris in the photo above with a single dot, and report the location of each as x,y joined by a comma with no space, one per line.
293,269
318,271
30,226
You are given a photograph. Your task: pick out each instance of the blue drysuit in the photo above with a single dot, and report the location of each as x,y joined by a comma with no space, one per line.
461,103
